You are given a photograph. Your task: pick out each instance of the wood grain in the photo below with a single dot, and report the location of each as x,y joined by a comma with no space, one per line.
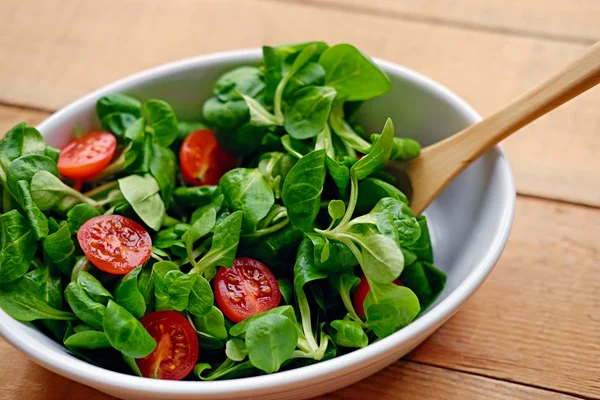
28,381
10,116
536,320
562,20
57,57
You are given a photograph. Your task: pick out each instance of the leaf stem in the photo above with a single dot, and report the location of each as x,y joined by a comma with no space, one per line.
351,202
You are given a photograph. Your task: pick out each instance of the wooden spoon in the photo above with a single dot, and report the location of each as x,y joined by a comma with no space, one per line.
441,162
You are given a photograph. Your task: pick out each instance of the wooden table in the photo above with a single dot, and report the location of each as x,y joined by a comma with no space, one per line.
533,329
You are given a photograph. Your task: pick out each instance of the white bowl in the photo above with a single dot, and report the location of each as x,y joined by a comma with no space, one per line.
470,223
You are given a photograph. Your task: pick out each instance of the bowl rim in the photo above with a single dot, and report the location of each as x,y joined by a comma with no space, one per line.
83,372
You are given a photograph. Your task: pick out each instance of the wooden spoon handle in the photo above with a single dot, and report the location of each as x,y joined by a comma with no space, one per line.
440,163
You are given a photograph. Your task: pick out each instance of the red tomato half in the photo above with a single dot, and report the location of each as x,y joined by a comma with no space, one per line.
176,352
246,289
114,244
202,160
362,290
87,156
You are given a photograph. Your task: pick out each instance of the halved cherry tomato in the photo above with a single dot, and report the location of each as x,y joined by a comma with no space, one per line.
362,290
115,244
87,156
176,352
202,160
246,289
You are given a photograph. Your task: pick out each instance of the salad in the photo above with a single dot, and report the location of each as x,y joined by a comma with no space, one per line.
263,237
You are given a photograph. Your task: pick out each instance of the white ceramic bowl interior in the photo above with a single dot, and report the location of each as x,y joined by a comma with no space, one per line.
470,223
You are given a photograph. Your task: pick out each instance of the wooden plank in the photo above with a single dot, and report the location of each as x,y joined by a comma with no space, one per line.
10,116
25,380
562,20
536,319
54,57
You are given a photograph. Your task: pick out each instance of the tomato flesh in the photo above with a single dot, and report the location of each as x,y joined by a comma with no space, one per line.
362,290
246,289
87,156
202,160
177,348
115,244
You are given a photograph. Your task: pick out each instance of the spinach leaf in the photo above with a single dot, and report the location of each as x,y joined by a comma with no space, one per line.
23,300
146,287
272,71
117,123
404,149
118,102
396,220
259,115
128,296
227,370
371,190
270,341
308,110
193,196
302,190
246,190
225,115
425,280
245,80
125,333
88,310
409,256
353,74
351,139
422,247
37,220
389,307
19,141
336,209
378,155
60,248
93,287
201,297
47,191
79,215
277,250
17,246
224,244
275,166
312,74
382,258
343,284
349,334
161,118
340,257
179,288
25,167
287,290
142,193
199,229
296,148
339,173
240,329
212,324
88,340
162,168
235,349
242,140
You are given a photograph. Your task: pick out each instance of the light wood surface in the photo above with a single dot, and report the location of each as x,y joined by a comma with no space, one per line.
532,330
440,163
57,56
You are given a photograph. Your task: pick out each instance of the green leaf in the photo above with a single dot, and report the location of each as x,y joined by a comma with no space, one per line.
344,131
389,308
128,296
224,244
248,191
225,115
371,190
117,122
352,73
230,372
162,168
404,149
125,333
308,111
241,328
88,310
93,287
161,117
212,324
60,248
382,258
179,289
199,229
88,340
17,246
270,341
25,167
37,220
142,193
349,334
47,191
312,74
245,80
396,220
302,190
425,280
23,300
336,209
378,155
79,215
118,102
272,71
422,247
161,287
339,173
287,290
296,148
201,297
235,349
259,115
